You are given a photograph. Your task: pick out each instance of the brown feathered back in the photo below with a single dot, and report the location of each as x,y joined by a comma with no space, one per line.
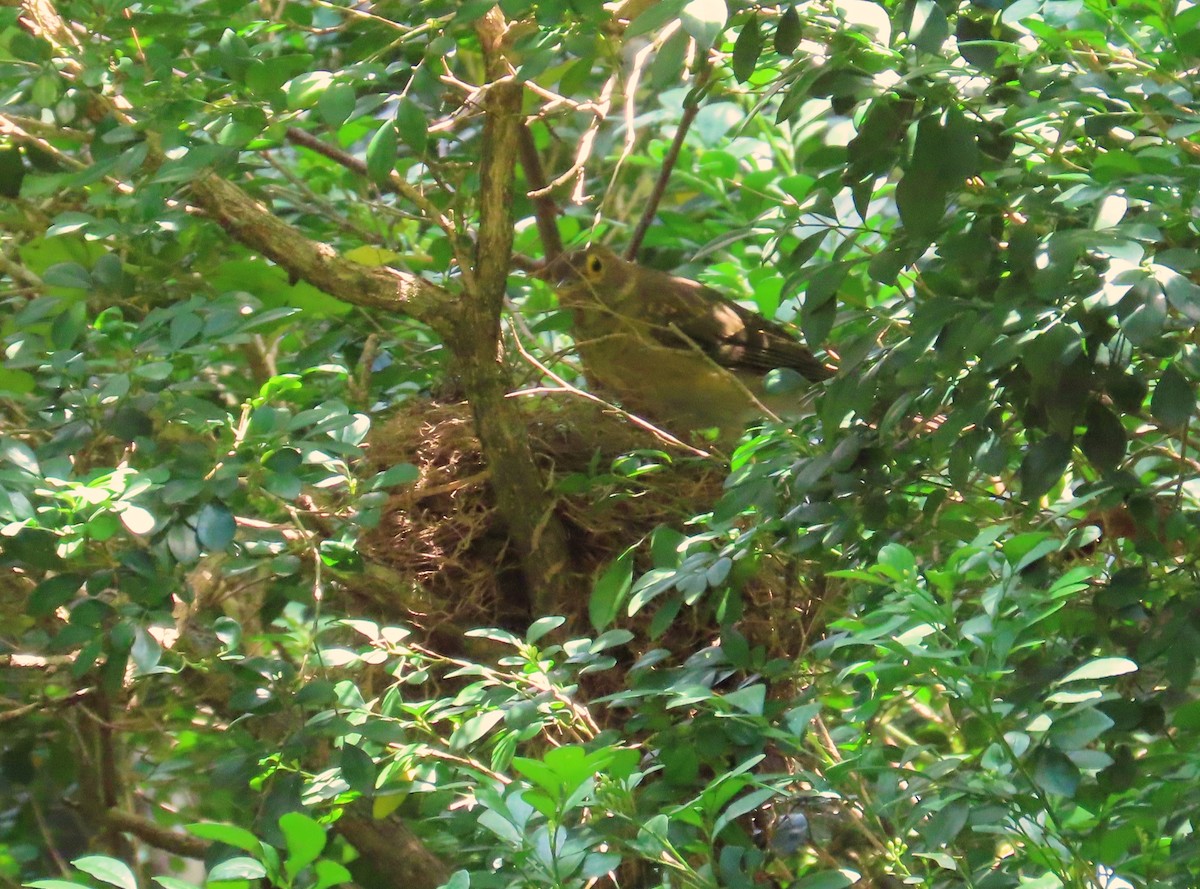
660,342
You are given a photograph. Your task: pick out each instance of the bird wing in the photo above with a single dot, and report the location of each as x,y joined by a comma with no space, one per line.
731,335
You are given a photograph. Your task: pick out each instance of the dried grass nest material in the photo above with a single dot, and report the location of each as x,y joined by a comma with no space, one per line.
442,546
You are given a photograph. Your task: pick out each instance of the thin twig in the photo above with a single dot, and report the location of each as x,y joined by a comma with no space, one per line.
690,110
587,142
544,208
397,185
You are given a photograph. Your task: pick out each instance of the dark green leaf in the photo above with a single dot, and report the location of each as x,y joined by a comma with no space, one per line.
1104,441
930,27
788,32
1044,465
358,768
1055,773
53,592
414,130
1174,399
215,526
381,153
12,171
336,104
129,424
747,49
68,274
921,201
610,591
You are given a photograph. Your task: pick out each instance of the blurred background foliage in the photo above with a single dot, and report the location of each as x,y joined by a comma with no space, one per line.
942,632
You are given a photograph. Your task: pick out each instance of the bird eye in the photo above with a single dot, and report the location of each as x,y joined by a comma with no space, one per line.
595,264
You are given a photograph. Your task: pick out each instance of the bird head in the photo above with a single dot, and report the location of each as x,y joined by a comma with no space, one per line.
591,272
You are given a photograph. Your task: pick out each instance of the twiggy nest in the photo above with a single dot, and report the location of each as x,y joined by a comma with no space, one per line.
440,557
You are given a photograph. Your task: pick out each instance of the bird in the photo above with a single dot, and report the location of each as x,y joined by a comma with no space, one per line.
674,350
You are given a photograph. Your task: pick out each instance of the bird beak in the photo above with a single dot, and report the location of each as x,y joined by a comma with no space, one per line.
563,269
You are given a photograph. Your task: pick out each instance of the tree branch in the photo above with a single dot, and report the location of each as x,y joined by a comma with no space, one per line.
319,264
545,210
691,107
521,497
156,835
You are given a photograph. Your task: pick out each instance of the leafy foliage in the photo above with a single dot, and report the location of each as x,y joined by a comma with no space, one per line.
978,662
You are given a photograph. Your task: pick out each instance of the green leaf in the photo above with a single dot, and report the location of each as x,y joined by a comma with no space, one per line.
215,526
108,870
330,873
921,201
1101,668
381,153
542,626
610,591
1184,296
1054,772
52,593
1045,881
1043,466
240,868
1174,399
68,274
750,699
305,840
358,768
1104,441
234,54
788,32
649,586
704,20
69,325
265,76
19,455
475,728
400,474
336,104
747,49
229,834
655,16
1144,325
305,90
929,28
959,147
414,129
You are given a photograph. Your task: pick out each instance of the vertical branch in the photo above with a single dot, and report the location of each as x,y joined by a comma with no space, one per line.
521,496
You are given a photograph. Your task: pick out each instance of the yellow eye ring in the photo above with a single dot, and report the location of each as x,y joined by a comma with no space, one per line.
595,265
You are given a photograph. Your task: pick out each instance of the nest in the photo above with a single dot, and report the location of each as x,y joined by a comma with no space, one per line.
440,558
